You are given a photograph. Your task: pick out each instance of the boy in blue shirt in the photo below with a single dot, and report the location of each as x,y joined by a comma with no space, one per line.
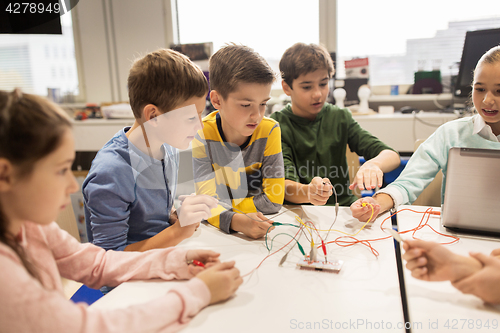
130,189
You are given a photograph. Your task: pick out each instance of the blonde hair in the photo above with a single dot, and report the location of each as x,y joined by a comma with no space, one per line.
492,56
233,64
303,58
164,78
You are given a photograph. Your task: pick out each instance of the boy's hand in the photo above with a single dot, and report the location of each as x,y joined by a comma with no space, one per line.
174,218
433,262
222,280
181,232
319,191
363,213
207,257
369,176
484,284
195,208
254,225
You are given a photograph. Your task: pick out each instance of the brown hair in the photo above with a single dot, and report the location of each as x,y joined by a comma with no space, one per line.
301,59
31,127
233,64
164,78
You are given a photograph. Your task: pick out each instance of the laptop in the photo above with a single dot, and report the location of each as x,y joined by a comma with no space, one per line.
472,193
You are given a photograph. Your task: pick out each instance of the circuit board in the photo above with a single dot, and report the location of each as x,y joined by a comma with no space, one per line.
326,266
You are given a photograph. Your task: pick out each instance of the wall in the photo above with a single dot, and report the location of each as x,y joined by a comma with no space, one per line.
111,34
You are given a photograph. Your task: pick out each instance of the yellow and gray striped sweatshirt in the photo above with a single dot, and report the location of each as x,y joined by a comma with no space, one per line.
247,178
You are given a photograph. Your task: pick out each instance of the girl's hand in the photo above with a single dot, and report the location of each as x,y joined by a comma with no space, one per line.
431,261
364,212
222,280
484,284
206,257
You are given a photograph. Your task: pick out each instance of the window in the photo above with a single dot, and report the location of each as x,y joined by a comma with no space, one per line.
269,27
37,63
400,39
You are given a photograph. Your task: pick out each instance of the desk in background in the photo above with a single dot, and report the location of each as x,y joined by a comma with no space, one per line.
399,131
362,297
92,134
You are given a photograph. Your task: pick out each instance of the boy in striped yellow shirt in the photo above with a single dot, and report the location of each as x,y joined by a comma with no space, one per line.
237,156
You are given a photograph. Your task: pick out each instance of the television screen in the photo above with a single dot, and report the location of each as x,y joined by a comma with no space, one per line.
476,44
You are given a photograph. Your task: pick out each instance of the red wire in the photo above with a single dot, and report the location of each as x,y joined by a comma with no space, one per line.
427,213
340,241
343,242
281,248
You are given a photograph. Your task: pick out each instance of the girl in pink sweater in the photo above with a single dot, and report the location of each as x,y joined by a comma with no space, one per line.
36,154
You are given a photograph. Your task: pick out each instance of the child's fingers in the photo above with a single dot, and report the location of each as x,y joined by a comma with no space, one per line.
419,273
184,196
495,252
197,216
483,258
200,210
224,265
194,270
206,255
200,199
261,216
269,228
417,262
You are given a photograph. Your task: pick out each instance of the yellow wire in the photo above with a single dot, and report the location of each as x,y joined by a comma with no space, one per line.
345,233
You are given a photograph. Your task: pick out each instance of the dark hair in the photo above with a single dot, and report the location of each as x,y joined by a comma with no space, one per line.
233,64
31,127
301,59
164,78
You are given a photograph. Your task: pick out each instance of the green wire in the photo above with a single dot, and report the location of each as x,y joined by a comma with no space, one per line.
272,240
278,224
290,224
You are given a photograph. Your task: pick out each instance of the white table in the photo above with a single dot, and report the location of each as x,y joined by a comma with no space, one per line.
363,297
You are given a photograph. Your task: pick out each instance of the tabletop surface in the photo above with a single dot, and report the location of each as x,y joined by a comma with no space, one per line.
363,297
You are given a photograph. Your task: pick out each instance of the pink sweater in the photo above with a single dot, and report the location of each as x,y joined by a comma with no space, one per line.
26,305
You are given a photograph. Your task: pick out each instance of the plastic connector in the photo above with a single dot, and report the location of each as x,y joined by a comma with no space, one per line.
313,255
301,249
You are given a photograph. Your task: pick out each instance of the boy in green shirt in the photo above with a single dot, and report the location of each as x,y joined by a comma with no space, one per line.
315,135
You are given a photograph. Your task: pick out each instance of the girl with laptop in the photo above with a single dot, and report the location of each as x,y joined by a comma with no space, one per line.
481,130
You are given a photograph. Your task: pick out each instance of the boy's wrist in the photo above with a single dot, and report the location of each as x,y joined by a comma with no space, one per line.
236,222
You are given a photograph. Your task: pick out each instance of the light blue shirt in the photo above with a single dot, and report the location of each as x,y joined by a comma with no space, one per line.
432,156
127,194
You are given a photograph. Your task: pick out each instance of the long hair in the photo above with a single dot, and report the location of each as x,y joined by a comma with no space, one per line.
31,127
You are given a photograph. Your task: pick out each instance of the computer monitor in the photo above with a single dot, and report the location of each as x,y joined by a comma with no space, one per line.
476,44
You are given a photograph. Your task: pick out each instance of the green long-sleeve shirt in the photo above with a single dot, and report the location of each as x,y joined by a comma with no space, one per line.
318,147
